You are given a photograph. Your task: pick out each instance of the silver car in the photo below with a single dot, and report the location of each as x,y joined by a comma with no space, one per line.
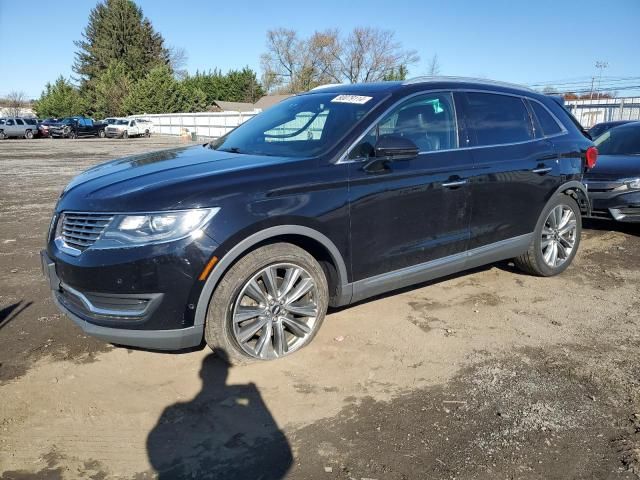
17,127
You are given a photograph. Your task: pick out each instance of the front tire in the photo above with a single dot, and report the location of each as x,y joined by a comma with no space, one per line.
28,134
101,134
556,238
270,304
125,134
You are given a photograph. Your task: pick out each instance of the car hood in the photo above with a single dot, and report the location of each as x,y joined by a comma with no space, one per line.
170,179
615,167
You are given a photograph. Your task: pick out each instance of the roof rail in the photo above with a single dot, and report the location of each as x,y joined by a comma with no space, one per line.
433,79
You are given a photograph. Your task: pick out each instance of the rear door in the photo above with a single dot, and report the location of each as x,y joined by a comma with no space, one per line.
86,127
20,127
408,212
516,169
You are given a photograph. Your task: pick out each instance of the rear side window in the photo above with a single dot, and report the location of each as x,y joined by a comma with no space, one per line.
19,122
545,120
498,119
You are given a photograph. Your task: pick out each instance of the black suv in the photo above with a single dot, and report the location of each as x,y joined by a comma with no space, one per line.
327,198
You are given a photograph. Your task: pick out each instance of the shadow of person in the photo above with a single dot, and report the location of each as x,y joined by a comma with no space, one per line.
225,432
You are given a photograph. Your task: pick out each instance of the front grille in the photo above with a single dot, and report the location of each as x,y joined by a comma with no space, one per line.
81,230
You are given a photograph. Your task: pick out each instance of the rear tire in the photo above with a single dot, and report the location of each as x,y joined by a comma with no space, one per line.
3,136
101,134
555,240
28,134
289,269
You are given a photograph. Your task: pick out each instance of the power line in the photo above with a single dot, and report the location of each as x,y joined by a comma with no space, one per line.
605,82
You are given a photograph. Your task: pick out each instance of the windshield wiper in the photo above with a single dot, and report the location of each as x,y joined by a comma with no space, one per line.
231,150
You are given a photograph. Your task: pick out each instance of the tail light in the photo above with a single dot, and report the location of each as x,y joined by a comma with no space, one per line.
592,157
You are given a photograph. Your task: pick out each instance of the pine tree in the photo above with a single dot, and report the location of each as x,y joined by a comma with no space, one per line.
61,99
111,89
118,31
160,92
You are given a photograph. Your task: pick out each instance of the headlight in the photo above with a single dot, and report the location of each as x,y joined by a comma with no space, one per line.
632,183
160,227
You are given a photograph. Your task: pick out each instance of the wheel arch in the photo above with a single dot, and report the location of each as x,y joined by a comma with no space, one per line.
313,241
578,192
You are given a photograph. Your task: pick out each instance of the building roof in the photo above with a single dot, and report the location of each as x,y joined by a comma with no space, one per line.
269,101
234,106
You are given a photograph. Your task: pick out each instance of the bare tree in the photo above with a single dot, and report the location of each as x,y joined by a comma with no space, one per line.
293,64
434,66
367,54
178,58
16,101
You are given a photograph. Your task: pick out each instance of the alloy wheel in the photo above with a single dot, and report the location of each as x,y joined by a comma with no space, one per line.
558,236
276,311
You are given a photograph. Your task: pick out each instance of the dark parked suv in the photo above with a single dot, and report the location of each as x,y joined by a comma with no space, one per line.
327,198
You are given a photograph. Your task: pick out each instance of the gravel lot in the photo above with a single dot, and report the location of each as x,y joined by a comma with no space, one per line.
487,374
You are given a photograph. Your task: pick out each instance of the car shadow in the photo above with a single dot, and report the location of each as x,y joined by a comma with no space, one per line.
7,314
416,286
225,432
611,226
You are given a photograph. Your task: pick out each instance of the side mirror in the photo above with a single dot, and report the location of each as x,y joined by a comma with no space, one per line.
395,147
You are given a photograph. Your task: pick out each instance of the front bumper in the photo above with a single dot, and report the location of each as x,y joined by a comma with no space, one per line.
139,297
615,205
57,132
113,133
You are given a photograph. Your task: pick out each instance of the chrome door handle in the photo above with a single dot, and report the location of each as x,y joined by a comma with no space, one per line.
457,183
542,170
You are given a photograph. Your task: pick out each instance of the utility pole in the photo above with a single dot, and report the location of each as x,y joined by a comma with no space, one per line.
600,65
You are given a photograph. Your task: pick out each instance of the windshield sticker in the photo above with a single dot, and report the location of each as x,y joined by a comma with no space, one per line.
357,99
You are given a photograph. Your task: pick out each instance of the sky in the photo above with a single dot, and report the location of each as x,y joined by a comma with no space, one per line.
528,42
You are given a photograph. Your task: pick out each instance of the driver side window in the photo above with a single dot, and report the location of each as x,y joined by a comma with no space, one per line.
427,120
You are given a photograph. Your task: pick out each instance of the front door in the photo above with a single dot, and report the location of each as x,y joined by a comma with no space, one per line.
408,212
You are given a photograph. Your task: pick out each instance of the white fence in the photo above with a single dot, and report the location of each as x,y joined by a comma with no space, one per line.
590,112
205,124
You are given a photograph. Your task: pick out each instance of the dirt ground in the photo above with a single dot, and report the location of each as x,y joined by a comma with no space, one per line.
487,374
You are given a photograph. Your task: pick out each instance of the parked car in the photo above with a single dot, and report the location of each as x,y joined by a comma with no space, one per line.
599,128
129,127
73,127
17,127
110,120
326,198
45,125
614,184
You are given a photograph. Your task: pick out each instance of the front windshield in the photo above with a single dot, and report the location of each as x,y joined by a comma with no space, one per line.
301,126
624,140
122,122
68,121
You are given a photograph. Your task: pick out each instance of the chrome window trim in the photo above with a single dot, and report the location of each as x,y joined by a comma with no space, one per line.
343,157
553,115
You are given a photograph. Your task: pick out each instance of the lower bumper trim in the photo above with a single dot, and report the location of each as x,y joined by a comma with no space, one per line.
177,339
